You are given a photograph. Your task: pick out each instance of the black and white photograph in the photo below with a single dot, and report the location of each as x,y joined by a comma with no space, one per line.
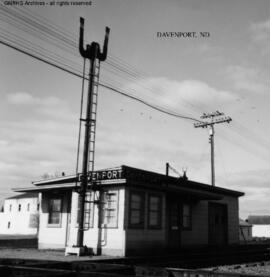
134,138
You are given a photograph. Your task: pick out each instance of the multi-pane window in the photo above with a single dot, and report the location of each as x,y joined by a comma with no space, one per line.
186,216
54,211
88,210
154,211
136,210
110,209
19,207
10,207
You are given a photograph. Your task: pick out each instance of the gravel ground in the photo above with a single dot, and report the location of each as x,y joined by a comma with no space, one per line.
258,268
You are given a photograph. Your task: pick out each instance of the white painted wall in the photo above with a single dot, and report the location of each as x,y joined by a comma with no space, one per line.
51,236
23,222
112,239
261,231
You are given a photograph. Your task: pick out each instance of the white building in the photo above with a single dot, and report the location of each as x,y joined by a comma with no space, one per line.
20,215
141,211
261,225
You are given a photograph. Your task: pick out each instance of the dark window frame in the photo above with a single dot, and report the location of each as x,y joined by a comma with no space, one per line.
189,227
141,210
158,226
59,212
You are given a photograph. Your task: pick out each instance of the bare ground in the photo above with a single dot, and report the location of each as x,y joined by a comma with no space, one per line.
51,255
257,268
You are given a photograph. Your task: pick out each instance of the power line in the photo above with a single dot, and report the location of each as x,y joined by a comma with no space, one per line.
34,26
150,105
115,65
102,84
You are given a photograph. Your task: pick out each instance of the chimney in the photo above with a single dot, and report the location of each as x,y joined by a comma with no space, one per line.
185,175
167,169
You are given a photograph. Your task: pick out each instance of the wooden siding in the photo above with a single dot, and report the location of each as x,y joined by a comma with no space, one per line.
145,238
199,233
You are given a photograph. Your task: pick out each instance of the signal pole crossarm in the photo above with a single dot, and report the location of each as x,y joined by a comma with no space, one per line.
216,118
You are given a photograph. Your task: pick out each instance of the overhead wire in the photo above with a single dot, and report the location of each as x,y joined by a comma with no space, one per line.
72,43
119,66
246,133
103,85
113,65
39,51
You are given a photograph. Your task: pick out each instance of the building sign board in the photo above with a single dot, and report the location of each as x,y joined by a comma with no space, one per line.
102,175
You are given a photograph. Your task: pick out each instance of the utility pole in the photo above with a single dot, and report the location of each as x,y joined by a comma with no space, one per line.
92,53
215,118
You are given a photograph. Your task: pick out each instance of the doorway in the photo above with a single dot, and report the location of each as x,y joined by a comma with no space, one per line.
174,223
218,224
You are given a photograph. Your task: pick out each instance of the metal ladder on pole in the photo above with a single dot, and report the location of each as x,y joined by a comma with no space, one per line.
88,197
94,118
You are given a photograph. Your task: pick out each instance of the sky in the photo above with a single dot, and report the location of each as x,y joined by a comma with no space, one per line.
226,71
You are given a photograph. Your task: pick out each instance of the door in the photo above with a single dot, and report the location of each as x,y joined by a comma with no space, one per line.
174,224
218,224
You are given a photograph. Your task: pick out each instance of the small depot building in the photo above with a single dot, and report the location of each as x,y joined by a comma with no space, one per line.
141,212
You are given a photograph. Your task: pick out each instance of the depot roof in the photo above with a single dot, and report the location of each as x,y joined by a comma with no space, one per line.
134,177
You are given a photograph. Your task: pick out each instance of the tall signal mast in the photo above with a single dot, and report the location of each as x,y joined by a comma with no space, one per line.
92,53
215,118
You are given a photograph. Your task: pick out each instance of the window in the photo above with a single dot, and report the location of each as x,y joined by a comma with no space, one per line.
186,216
28,207
136,210
110,209
8,225
38,207
154,211
10,207
88,210
54,211
19,207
